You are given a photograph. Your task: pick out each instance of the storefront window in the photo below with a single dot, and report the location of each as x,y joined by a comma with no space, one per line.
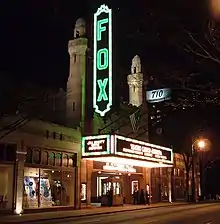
47,187
67,188
31,186
50,188
6,186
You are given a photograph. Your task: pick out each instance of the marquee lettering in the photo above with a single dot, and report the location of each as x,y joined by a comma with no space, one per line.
129,148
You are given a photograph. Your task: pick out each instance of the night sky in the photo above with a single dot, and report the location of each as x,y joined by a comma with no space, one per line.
35,35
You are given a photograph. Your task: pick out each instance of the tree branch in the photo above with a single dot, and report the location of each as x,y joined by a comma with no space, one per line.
206,54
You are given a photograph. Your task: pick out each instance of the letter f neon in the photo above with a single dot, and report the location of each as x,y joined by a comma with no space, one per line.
101,28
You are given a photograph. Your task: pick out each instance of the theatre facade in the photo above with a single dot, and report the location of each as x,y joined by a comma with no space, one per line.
121,164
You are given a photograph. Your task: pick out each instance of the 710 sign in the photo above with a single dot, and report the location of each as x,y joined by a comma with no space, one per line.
158,95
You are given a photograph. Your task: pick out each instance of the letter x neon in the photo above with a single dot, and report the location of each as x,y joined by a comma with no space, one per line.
102,94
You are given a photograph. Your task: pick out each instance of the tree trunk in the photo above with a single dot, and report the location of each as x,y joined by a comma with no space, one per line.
187,186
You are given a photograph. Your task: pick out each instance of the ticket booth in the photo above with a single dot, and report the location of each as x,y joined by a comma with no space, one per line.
112,191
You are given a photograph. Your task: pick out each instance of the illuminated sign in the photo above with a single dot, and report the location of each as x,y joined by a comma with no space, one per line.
122,149
142,150
158,95
83,192
119,167
102,67
96,145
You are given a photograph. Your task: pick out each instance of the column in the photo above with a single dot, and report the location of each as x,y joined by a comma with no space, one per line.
148,182
170,185
20,158
89,169
77,187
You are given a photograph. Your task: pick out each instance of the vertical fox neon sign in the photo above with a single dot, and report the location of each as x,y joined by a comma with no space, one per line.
102,68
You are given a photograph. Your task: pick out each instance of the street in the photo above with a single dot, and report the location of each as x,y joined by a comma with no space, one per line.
182,214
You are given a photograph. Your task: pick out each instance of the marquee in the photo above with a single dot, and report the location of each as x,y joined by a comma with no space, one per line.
115,148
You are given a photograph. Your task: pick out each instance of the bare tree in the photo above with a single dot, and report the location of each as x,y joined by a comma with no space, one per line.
20,105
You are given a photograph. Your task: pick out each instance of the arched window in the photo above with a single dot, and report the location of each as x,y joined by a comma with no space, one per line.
135,70
134,88
36,156
74,57
52,159
70,161
44,157
65,160
58,159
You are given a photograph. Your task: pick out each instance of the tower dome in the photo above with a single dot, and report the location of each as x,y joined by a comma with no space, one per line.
136,59
136,65
80,22
80,28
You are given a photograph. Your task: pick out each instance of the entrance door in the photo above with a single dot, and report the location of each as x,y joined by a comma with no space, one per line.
112,191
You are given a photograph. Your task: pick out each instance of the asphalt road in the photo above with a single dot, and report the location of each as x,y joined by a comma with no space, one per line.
182,214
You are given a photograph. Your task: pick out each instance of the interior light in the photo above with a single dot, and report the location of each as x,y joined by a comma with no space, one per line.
52,171
18,209
129,161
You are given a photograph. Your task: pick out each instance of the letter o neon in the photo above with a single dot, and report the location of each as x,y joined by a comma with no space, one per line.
103,52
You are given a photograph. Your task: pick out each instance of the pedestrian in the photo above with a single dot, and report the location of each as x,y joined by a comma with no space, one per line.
147,198
135,196
142,197
111,197
138,197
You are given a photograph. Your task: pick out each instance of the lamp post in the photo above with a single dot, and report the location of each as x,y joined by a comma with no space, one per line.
197,144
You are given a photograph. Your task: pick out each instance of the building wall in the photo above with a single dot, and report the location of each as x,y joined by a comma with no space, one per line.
40,135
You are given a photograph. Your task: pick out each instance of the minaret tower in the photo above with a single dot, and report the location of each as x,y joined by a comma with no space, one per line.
75,99
135,82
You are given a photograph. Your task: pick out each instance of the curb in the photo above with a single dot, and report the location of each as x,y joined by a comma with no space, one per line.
88,215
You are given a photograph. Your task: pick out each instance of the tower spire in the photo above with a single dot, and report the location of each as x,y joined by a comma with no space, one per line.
135,81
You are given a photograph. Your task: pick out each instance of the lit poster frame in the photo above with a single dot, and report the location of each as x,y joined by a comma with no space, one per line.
96,140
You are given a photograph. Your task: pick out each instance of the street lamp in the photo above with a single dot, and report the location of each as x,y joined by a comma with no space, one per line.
214,9
201,144
198,144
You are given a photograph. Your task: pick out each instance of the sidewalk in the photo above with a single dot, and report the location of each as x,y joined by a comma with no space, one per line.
43,216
